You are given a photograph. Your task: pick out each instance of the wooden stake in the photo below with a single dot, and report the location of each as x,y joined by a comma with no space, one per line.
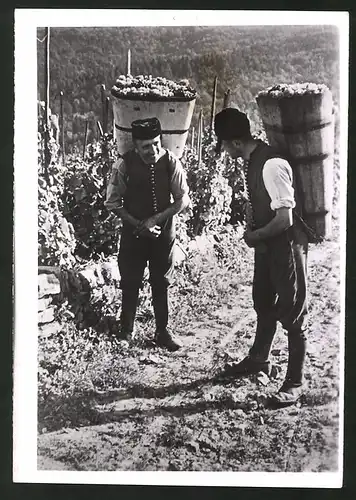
100,128
85,138
61,126
129,62
107,108
103,106
200,133
213,105
47,153
193,134
227,98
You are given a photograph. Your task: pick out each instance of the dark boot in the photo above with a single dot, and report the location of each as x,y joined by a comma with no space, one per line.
297,345
292,387
257,360
163,337
160,307
167,340
248,366
265,331
128,313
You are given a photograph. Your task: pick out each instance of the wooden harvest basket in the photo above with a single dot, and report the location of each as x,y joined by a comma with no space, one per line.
302,127
175,115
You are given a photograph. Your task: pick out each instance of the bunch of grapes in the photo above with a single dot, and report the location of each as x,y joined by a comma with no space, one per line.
296,89
143,85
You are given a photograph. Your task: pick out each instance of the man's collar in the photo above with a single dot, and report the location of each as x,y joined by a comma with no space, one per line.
258,144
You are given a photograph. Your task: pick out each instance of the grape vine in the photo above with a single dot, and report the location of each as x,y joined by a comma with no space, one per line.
74,223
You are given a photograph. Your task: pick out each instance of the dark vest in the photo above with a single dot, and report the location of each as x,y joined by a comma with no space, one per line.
148,188
260,199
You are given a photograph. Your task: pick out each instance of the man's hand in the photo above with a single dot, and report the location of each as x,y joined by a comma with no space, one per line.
152,232
252,238
149,228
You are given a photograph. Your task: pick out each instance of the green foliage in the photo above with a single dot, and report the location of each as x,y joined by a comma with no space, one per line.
210,191
216,184
56,240
74,222
96,229
61,355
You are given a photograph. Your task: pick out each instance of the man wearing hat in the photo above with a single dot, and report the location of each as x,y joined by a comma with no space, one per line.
147,188
281,245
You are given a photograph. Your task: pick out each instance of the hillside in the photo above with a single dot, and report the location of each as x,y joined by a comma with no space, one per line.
246,59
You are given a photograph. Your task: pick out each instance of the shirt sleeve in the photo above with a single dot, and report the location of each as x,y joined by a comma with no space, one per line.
278,179
116,186
179,186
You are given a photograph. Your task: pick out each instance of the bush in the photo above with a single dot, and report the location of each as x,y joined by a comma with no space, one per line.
96,228
56,240
211,194
73,221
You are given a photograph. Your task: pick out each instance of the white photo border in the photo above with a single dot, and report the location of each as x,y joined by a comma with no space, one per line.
25,236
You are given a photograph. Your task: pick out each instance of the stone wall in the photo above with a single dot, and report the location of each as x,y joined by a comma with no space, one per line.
72,289
49,297
65,293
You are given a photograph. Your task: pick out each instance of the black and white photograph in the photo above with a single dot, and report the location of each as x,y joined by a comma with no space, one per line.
180,239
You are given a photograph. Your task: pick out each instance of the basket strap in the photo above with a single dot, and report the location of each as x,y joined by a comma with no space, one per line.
165,132
312,236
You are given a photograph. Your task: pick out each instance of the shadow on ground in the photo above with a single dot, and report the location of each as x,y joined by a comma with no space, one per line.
95,407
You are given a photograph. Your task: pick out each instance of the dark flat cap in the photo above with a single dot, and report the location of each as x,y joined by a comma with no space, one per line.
148,128
231,124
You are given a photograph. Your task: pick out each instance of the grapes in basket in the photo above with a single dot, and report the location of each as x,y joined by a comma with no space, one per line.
147,85
288,90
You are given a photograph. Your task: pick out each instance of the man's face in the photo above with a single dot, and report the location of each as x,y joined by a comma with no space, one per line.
234,148
150,150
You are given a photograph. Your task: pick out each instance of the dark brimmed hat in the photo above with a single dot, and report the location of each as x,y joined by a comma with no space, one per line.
148,128
230,124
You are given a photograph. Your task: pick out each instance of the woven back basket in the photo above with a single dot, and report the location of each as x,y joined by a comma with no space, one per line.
302,127
175,115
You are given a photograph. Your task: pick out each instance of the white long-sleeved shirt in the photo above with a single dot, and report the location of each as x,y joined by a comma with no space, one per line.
277,176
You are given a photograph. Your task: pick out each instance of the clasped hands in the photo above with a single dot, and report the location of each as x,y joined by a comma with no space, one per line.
148,228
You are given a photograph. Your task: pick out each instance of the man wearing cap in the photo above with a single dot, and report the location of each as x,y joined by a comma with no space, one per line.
281,245
147,188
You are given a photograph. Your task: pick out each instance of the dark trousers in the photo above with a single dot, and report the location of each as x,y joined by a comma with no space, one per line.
280,294
134,255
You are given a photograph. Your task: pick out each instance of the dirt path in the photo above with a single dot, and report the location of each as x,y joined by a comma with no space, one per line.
178,415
